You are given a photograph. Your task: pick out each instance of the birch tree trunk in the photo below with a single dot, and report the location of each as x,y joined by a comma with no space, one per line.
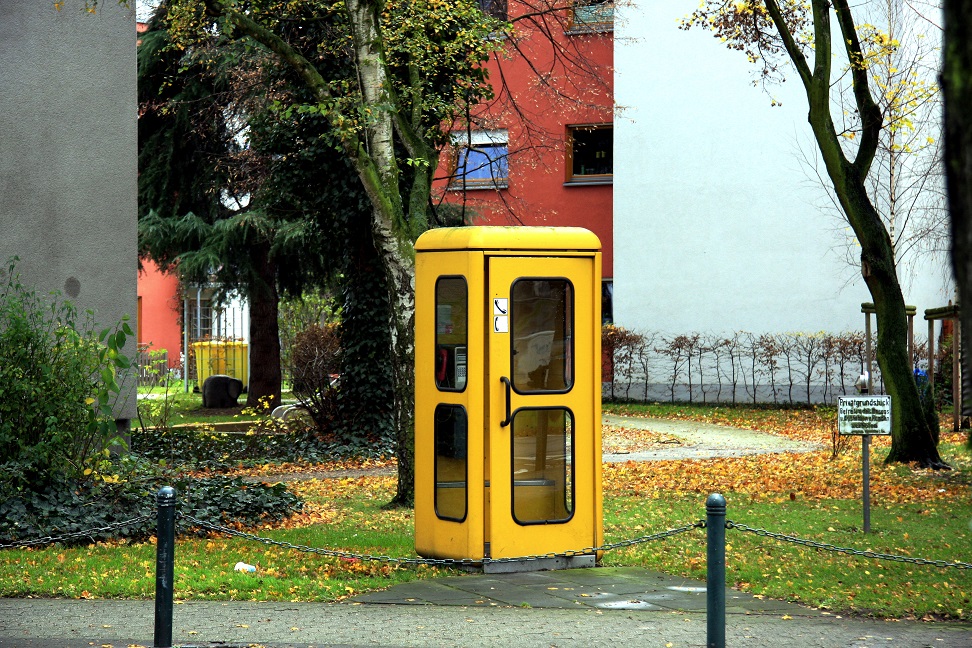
380,177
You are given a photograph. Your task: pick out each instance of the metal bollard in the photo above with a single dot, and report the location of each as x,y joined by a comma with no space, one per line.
164,566
715,578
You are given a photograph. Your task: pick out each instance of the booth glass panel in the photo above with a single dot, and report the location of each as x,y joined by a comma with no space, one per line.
451,462
451,333
542,317
542,447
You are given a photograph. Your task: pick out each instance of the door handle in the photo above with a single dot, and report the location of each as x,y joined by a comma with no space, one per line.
506,381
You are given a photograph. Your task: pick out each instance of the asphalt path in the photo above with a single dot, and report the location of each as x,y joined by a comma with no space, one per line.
703,440
44,623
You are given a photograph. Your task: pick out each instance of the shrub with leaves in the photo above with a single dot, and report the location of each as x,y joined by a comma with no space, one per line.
154,411
312,307
619,346
58,380
315,363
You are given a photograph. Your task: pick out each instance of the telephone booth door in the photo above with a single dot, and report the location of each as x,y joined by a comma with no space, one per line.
543,475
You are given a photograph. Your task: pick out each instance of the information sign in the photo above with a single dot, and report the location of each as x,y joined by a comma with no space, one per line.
864,415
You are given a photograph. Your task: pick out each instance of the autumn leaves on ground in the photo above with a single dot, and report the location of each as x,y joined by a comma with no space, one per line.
816,496
915,514
789,476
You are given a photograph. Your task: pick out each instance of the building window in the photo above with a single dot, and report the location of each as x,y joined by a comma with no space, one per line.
480,160
200,318
590,153
494,8
592,16
607,301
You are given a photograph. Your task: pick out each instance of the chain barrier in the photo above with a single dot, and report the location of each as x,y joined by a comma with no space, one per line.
87,533
845,550
468,562
438,562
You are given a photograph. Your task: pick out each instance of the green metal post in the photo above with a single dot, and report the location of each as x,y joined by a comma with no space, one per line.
164,566
715,581
866,468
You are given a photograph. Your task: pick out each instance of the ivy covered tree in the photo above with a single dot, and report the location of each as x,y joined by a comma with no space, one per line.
416,66
774,33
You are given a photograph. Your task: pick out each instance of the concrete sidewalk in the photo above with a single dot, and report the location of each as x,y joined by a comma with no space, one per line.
586,607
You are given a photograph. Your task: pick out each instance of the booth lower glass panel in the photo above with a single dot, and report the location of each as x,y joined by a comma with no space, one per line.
542,466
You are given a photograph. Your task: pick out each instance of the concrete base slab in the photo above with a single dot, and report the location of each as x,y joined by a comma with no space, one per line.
600,588
538,564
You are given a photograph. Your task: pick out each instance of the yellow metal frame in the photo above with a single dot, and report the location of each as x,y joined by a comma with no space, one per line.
433,536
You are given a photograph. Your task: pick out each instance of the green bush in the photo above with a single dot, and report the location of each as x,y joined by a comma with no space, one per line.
57,385
313,307
156,412
184,448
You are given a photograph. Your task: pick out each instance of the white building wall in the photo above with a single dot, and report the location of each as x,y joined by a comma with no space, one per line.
717,227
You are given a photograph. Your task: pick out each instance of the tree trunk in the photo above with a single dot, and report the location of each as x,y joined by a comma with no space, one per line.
264,388
373,157
366,397
401,286
914,428
379,175
957,89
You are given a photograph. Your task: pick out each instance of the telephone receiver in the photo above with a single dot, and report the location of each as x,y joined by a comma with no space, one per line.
442,361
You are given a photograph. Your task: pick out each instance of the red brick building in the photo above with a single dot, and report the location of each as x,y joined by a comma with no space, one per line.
541,152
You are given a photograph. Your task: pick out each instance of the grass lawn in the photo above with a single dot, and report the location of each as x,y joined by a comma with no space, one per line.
916,513
175,406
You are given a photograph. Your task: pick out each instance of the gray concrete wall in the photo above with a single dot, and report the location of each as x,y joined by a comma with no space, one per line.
68,154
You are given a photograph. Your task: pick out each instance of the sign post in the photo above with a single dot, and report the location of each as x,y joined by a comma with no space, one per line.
864,416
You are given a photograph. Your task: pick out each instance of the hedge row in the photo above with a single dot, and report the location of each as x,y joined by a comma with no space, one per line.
739,367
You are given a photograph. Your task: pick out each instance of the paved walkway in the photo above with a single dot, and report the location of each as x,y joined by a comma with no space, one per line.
580,607
584,607
703,440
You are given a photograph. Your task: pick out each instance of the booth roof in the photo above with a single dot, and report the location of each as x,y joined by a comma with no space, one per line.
508,238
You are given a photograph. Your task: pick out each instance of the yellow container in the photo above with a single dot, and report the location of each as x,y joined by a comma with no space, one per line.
507,394
226,357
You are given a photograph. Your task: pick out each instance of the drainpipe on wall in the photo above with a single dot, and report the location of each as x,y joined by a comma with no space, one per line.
185,343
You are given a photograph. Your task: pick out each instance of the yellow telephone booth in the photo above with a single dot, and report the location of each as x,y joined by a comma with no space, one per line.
508,395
